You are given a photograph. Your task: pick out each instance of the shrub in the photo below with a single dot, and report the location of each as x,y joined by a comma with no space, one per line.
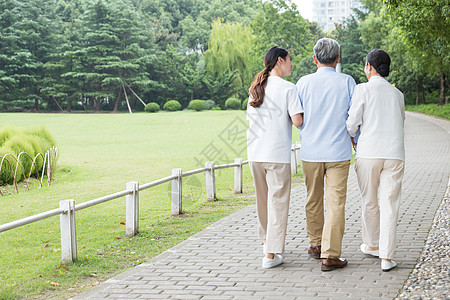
244,104
172,105
15,140
7,168
197,105
43,133
233,103
216,108
210,104
152,107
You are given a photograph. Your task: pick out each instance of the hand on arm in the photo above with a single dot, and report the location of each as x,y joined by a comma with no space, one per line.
297,120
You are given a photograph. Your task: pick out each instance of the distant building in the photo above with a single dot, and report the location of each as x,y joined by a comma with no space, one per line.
328,12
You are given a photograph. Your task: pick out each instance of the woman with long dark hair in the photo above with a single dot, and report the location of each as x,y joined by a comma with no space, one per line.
272,109
378,113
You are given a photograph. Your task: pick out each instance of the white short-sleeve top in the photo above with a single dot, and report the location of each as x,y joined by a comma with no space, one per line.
269,136
378,112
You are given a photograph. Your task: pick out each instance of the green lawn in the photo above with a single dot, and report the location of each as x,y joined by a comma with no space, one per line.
99,154
431,109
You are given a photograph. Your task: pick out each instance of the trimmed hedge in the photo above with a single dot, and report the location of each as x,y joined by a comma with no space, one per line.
210,104
15,140
244,104
197,105
233,103
172,105
152,107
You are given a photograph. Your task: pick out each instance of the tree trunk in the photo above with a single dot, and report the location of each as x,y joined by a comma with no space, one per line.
36,104
419,89
119,94
97,105
69,106
91,103
442,99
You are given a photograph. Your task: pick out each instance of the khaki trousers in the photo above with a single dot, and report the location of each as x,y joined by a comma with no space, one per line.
326,232
273,191
380,182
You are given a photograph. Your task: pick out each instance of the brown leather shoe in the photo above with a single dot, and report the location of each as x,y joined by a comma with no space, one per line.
329,264
314,251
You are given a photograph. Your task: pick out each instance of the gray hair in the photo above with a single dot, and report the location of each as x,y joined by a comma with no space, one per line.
326,50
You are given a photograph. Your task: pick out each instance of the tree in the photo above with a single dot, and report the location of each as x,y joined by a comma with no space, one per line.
280,24
230,48
116,47
424,26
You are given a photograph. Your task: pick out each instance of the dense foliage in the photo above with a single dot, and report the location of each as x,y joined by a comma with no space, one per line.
108,55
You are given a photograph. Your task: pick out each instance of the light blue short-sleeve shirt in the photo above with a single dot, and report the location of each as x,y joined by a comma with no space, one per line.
326,98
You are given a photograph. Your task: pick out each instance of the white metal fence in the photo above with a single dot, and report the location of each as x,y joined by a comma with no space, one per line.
67,208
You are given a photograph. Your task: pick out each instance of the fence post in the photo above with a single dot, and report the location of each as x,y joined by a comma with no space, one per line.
210,181
68,231
297,153
177,192
238,176
132,210
293,161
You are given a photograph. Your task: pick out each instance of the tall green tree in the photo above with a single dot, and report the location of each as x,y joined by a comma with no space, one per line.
280,24
424,25
116,47
230,48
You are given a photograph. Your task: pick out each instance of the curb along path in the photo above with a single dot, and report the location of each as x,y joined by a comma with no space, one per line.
224,260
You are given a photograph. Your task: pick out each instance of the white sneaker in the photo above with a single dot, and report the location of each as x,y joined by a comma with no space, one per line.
369,252
386,266
268,263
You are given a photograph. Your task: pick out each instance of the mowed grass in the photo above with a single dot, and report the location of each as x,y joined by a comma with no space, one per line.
99,154
432,109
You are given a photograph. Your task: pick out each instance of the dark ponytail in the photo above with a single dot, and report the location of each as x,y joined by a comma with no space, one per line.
258,87
380,60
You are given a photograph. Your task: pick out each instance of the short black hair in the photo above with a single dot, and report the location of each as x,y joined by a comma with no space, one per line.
380,60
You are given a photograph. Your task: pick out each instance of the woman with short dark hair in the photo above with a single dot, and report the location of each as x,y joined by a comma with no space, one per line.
272,109
377,113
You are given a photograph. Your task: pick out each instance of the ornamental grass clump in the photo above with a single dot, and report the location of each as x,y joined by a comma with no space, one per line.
15,140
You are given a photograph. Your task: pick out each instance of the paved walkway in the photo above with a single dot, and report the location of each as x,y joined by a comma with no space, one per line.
201,268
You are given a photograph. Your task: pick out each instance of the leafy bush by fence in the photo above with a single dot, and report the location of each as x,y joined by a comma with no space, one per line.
25,154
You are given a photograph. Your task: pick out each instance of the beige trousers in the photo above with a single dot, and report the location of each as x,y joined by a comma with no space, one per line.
273,191
329,231
380,182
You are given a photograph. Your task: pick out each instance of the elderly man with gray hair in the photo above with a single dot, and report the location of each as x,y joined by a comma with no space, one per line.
326,152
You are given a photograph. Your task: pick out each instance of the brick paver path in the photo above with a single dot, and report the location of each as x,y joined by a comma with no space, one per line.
224,260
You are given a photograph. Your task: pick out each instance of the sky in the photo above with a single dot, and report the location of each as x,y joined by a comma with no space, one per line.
305,8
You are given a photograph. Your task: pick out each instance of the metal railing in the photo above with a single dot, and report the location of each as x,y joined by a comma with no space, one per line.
67,208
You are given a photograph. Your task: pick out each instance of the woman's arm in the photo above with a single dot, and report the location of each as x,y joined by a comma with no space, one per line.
356,111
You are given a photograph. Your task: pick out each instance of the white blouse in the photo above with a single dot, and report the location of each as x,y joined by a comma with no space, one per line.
269,136
378,113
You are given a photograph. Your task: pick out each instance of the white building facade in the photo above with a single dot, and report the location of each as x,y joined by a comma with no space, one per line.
328,12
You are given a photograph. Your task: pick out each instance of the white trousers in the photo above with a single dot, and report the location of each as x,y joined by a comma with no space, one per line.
380,182
273,191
